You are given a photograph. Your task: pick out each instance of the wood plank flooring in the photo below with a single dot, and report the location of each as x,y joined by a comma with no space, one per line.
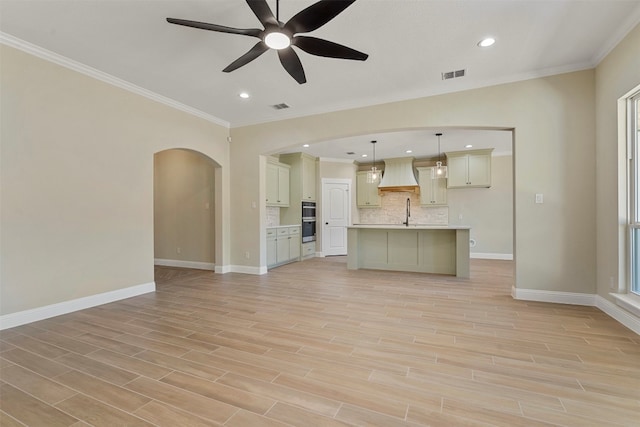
315,344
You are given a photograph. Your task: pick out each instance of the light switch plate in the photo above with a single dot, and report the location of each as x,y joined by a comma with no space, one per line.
539,198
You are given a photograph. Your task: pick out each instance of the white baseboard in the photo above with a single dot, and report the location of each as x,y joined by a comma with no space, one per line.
222,269
246,269
483,255
621,315
553,296
185,264
219,269
27,316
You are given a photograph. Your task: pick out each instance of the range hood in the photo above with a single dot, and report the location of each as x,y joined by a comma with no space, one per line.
398,176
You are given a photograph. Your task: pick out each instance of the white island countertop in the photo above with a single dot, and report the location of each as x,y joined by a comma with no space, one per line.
413,226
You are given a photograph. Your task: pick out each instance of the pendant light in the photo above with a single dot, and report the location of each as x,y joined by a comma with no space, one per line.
439,171
374,175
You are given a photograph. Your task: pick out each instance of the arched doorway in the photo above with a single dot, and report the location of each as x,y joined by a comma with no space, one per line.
184,209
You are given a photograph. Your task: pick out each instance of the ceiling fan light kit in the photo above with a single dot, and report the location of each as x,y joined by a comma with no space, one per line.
281,37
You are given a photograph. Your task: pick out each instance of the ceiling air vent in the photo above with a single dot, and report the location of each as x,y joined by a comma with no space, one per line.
281,106
453,74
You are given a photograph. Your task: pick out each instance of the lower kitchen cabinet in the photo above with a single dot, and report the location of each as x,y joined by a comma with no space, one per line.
308,249
283,245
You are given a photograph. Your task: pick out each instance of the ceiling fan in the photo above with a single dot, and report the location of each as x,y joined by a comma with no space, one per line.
282,36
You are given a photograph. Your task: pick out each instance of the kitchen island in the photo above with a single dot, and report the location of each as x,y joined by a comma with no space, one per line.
441,249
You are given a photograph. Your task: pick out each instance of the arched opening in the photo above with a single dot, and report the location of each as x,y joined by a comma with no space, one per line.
185,232
489,211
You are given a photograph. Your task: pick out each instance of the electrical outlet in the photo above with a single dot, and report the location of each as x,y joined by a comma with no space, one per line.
247,255
178,250
539,198
612,284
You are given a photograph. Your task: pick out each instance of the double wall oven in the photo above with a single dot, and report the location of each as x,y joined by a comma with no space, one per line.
308,222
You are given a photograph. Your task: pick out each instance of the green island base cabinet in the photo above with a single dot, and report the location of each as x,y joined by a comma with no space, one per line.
283,245
421,249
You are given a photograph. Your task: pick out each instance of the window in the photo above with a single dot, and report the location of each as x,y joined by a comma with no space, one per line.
633,125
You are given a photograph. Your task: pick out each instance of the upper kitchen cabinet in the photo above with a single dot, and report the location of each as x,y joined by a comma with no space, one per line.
303,176
367,193
277,184
468,169
433,191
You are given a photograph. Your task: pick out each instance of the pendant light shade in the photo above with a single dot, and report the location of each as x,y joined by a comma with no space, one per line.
374,175
440,170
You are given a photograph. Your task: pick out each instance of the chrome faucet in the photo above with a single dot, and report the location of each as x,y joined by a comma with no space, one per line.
408,211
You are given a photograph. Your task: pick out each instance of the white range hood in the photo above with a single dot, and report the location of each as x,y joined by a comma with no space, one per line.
398,176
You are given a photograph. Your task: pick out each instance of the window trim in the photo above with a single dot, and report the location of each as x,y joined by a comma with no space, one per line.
629,199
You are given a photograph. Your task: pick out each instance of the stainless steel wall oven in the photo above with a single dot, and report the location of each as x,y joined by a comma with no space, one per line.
308,222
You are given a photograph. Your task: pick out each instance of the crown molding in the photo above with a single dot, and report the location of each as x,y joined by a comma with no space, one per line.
63,61
624,28
335,160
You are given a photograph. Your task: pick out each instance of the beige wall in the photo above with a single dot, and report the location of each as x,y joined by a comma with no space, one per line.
617,74
489,211
554,124
76,178
183,182
76,214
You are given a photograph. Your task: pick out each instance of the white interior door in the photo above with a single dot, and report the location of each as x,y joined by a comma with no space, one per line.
336,215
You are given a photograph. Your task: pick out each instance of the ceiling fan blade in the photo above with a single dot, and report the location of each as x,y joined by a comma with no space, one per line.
316,15
263,12
254,32
253,53
320,47
292,64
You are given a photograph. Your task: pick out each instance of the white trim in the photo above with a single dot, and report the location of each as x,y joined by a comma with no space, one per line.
246,269
222,269
627,319
63,61
553,296
427,92
185,264
484,255
33,315
623,29
629,302
335,160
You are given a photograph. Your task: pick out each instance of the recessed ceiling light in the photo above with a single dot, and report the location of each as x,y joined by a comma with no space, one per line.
409,151
468,146
306,145
243,95
486,42
364,155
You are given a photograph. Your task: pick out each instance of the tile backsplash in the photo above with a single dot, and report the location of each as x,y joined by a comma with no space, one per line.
273,216
393,211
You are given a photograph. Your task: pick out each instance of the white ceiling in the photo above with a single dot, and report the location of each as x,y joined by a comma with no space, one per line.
422,143
409,42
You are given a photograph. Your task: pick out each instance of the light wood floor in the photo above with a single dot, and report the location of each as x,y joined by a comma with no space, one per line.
313,344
